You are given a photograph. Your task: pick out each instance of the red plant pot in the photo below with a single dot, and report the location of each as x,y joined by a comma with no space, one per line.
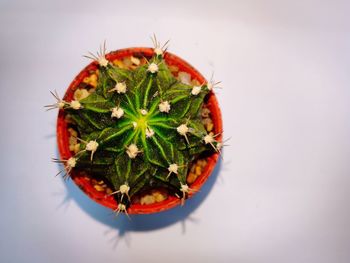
85,184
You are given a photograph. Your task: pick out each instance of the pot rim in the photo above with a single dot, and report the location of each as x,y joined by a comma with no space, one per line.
84,184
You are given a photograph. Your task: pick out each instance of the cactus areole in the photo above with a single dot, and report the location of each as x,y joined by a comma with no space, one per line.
140,129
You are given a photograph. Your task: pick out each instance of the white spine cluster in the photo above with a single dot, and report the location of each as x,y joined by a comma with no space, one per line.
120,87
100,58
182,129
158,50
102,61
117,112
219,146
185,189
153,68
91,146
196,90
149,132
208,139
68,164
143,112
121,208
164,106
132,151
74,104
172,169
212,84
59,102
124,190
71,162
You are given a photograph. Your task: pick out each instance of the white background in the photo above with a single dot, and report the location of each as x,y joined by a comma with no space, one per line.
280,195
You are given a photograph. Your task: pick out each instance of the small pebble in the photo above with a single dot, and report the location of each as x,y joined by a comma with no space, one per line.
205,112
99,188
109,191
80,94
159,197
147,200
173,69
198,170
191,177
195,82
93,77
210,127
127,62
184,77
119,64
135,61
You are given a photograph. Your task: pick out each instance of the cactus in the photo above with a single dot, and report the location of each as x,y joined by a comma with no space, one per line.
139,129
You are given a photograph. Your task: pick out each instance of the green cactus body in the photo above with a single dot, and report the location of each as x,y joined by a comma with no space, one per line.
140,129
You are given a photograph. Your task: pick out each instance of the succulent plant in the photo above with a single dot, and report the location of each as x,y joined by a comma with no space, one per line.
139,129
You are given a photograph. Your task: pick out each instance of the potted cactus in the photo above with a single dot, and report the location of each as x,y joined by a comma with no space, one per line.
138,130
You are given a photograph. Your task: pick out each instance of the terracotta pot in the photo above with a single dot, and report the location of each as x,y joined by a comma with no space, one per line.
84,184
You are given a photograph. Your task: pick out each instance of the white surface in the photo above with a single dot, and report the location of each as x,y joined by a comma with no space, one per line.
280,195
